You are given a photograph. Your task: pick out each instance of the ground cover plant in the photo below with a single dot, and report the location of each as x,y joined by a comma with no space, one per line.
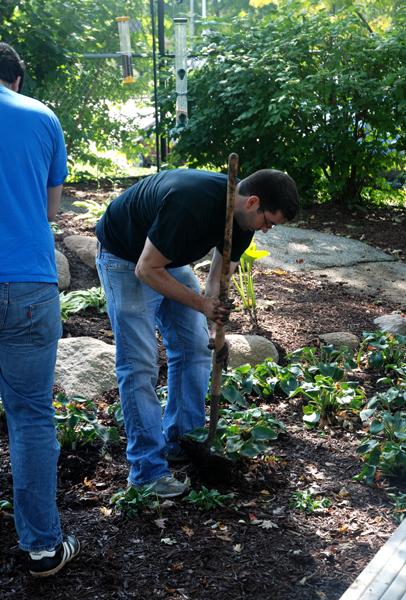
75,301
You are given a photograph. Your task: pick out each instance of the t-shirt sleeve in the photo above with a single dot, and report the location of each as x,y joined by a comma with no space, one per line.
58,169
240,242
173,230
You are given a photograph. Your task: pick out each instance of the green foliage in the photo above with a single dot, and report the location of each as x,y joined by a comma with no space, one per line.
132,501
326,397
207,499
52,38
244,283
5,505
56,230
94,210
384,450
399,506
77,424
383,350
73,302
243,434
308,501
312,93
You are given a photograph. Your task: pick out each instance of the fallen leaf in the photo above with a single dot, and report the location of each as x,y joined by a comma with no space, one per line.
106,511
168,541
268,525
187,530
161,523
237,548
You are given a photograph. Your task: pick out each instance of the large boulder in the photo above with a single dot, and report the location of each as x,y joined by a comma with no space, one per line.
252,349
84,246
340,339
62,267
85,366
393,323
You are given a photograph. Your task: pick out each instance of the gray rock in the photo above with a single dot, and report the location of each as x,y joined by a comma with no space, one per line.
295,249
340,339
393,323
84,246
252,349
62,267
85,366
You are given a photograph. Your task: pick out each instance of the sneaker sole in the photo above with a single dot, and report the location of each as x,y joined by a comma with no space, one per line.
170,494
58,568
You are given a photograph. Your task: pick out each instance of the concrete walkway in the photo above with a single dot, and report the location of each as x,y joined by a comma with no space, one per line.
361,268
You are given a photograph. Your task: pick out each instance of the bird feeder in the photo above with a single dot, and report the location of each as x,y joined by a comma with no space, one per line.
180,25
125,49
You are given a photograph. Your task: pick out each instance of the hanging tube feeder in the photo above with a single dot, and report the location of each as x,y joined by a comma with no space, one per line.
180,25
125,49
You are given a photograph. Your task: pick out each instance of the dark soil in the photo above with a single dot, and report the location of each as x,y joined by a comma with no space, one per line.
257,547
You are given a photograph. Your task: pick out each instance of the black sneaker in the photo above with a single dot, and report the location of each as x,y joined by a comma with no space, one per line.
49,562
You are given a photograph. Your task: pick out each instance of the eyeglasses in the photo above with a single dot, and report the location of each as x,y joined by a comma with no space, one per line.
268,224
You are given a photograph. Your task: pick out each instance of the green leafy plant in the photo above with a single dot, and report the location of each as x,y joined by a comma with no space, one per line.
132,501
6,505
326,360
399,505
207,499
392,399
74,302
77,424
56,230
243,433
326,398
94,210
244,282
383,350
308,501
384,450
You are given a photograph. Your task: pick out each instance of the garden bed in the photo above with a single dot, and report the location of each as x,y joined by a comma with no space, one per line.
257,546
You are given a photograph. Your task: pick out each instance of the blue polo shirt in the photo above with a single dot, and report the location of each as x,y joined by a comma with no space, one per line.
32,159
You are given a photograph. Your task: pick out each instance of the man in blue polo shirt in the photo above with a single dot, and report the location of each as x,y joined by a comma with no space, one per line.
32,171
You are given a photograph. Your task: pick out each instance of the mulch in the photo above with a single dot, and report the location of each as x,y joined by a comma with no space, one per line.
257,547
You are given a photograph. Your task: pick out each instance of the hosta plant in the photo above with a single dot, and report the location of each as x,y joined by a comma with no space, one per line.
207,499
73,302
77,423
243,433
132,501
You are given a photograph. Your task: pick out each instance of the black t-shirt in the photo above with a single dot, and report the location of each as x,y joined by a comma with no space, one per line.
181,211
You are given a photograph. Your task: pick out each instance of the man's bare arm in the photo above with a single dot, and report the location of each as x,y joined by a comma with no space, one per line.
54,201
151,270
212,288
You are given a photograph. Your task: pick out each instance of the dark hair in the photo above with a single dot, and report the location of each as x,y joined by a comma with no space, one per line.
275,190
11,65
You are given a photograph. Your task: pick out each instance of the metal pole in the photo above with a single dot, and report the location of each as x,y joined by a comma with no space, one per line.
161,82
152,10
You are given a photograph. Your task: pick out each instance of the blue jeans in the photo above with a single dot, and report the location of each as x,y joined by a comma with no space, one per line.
30,326
135,312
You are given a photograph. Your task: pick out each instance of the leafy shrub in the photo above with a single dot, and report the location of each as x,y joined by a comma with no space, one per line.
315,94
207,499
77,424
74,302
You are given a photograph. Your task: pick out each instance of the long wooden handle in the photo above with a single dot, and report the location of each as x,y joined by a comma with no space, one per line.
223,295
